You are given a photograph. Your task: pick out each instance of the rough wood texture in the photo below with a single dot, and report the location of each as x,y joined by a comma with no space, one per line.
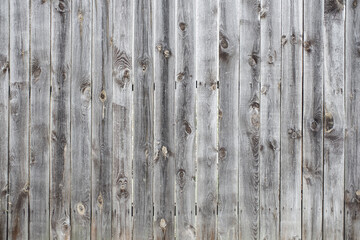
185,120
334,112
312,120
40,121
143,147
228,151
122,117
102,120
19,120
249,124
60,120
164,148
270,119
352,138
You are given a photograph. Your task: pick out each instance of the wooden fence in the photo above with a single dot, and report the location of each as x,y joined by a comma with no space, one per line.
186,119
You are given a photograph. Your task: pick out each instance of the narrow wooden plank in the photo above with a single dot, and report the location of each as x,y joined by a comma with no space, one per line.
249,124
207,117
291,120
19,120
81,19
122,117
352,137
4,111
313,120
270,15
185,120
143,135
228,152
334,122
40,120
60,119
102,120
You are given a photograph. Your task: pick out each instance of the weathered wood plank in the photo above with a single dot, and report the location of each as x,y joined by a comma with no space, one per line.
102,120
270,119
60,120
143,135
122,117
39,226
228,152
164,96
207,117
312,120
185,120
352,138
249,123
291,120
334,122
4,111
19,118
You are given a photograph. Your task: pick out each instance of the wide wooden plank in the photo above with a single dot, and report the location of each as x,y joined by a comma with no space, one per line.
228,151
102,120
143,135
313,120
4,108
291,119
334,122
60,120
122,118
249,123
352,137
207,117
164,96
270,119
185,119
40,120
19,120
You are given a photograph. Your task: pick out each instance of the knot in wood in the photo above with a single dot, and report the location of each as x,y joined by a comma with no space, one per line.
181,178
307,46
80,209
294,133
222,153
252,60
283,40
329,122
182,26
159,47
180,76
187,127
224,43
100,201
103,96
314,125
293,39
26,188
62,6
354,4
163,224
164,151
167,53
357,193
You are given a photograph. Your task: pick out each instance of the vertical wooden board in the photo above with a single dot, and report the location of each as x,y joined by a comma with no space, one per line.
19,120
4,98
122,115
270,15
81,119
352,139
39,123
228,152
312,120
102,120
249,122
60,120
207,117
143,135
164,99
185,120
334,18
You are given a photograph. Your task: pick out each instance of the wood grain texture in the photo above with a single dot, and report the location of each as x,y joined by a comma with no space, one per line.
185,119
270,119
39,227
164,148
102,120
249,124
352,108
60,120
207,117
313,120
4,113
228,150
122,118
19,120
291,120
143,148
334,123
